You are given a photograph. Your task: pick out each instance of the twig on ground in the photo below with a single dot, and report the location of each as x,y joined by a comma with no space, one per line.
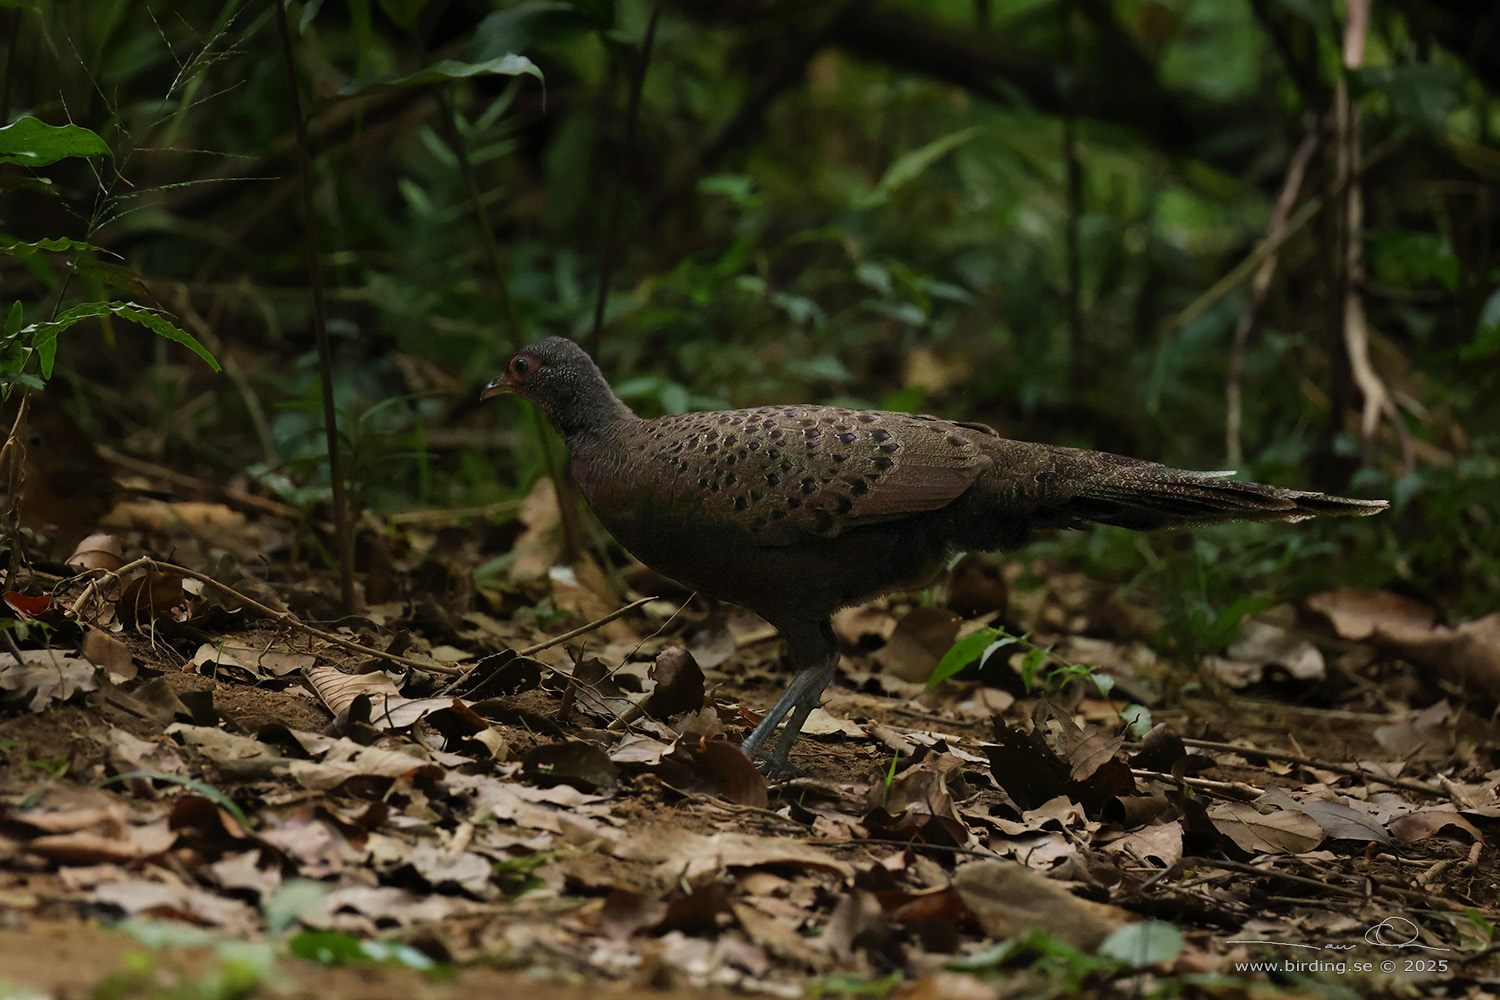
1239,790
287,618
1322,765
583,629
280,617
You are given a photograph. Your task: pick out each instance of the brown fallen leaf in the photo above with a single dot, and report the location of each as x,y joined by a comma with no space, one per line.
918,642
104,650
100,550
1365,614
151,598
683,853
1266,644
582,765
214,526
540,545
143,897
1276,832
679,684
1008,899
258,661
1341,820
1468,654
1429,733
717,767
1160,844
917,805
1417,826
44,676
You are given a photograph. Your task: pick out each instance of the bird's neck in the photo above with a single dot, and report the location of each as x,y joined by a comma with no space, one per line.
593,417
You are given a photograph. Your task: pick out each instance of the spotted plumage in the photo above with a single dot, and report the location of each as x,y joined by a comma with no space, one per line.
780,472
795,511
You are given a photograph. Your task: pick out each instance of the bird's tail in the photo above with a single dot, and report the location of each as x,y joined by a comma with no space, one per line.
1112,489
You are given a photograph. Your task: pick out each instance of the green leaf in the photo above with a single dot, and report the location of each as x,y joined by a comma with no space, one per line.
10,379
44,335
1142,945
1137,719
509,64
15,248
336,948
290,901
33,143
540,22
403,12
1031,665
1226,624
1487,333
909,166
738,188
978,646
45,345
13,320
1103,682
1423,94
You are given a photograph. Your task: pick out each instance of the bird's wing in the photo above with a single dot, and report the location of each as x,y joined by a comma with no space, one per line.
783,472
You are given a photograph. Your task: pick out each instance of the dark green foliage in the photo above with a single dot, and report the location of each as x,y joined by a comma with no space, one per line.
885,201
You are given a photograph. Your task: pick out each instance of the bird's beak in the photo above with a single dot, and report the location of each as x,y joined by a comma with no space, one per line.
499,387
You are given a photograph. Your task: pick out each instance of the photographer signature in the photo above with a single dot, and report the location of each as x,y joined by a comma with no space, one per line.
1392,932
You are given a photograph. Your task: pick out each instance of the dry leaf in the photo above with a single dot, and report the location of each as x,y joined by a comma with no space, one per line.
100,550
44,676
1274,832
1466,654
918,642
1009,899
257,661
104,650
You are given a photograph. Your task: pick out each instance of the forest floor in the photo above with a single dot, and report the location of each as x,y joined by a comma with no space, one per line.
213,783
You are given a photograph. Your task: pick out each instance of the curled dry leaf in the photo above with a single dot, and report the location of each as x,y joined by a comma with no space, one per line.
1159,844
681,853
916,805
855,625
100,550
151,598
679,684
1429,733
257,661
821,722
717,767
206,909
212,525
1267,644
540,545
1413,827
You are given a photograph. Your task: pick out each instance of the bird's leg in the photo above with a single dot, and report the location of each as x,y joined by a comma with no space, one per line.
814,645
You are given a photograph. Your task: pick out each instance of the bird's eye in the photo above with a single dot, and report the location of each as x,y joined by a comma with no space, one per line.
520,366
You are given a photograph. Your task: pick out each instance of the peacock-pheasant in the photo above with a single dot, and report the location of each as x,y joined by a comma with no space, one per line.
796,511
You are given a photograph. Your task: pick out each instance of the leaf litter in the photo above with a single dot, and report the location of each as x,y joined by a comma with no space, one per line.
190,743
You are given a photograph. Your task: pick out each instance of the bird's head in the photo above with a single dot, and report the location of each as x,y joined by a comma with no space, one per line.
558,376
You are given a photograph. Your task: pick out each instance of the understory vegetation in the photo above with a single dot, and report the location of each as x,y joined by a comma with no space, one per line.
1260,236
